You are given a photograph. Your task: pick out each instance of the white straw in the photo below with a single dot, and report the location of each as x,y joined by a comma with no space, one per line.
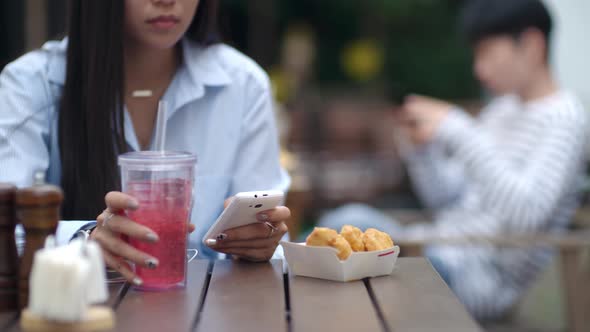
160,139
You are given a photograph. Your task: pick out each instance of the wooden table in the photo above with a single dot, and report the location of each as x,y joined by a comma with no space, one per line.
226,295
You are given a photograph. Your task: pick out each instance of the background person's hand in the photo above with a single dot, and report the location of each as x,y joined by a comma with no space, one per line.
112,224
256,242
420,117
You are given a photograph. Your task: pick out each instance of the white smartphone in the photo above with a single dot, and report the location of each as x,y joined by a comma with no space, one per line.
242,210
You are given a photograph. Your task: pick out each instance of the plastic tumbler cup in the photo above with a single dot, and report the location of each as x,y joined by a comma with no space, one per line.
162,183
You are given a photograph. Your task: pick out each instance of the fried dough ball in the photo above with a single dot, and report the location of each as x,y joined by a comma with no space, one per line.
326,237
376,240
321,237
354,236
344,249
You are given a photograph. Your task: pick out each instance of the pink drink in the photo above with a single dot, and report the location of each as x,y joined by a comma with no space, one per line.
162,183
163,207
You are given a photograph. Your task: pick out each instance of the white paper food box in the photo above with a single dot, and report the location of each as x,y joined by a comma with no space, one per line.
322,262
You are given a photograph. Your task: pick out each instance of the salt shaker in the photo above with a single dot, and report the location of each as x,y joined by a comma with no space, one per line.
38,209
8,252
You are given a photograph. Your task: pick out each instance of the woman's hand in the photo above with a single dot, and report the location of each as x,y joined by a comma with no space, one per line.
112,224
256,242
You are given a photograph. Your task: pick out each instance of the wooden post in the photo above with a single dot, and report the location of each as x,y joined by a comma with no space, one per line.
8,253
35,23
38,209
571,272
262,30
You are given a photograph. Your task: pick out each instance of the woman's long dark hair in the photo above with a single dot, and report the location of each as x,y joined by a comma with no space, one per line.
91,130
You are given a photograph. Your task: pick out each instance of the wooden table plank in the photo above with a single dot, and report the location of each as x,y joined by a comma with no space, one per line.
415,298
245,297
322,305
173,310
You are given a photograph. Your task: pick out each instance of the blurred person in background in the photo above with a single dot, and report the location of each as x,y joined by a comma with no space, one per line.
515,169
70,108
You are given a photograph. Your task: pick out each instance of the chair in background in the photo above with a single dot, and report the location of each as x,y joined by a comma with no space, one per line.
573,249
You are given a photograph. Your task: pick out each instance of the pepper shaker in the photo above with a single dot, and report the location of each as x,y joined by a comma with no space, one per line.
38,209
8,252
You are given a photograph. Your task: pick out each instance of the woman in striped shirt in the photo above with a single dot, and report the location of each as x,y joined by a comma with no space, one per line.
515,169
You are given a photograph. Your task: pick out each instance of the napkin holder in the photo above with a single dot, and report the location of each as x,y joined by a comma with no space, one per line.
69,299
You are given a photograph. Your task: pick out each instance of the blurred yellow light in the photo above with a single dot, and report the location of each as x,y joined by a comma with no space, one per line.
363,59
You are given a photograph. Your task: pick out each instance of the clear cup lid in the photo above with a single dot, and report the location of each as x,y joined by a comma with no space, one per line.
157,159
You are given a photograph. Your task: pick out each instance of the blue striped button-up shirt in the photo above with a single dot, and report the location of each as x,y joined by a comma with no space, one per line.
220,108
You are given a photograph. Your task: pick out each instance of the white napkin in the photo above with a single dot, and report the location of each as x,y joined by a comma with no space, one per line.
97,284
65,280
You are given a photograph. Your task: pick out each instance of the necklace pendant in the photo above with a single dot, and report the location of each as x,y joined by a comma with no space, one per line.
142,93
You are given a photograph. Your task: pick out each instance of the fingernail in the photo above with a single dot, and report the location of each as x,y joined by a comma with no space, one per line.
137,282
132,204
221,237
263,217
151,263
152,237
211,242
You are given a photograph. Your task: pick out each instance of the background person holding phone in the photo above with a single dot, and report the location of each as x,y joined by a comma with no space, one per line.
514,169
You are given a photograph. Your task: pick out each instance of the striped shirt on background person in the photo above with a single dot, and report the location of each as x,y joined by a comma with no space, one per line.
516,169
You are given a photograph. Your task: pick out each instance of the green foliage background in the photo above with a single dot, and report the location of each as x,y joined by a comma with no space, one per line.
423,47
